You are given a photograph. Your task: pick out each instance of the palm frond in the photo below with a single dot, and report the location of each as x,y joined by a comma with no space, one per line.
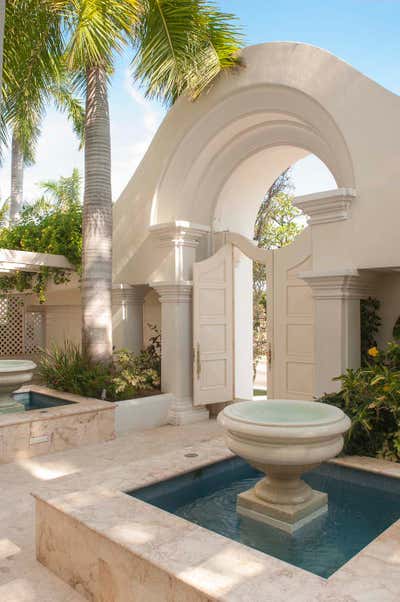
33,45
181,46
97,30
63,93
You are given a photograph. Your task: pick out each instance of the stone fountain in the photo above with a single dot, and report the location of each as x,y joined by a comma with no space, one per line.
283,439
13,374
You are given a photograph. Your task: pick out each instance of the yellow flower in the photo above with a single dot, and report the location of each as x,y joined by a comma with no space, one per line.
386,388
373,352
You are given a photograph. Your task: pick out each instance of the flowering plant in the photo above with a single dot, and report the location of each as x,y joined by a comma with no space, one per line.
370,396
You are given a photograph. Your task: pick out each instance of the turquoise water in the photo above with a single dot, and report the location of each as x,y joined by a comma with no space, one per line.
37,401
361,506
284,412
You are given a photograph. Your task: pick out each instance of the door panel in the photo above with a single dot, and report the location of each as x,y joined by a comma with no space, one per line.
293,341
213,328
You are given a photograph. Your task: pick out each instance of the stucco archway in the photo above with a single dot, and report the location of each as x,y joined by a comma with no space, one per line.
265,126
288,101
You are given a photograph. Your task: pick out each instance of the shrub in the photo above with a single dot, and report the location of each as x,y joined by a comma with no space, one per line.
138,373
370,396
68,369
370,325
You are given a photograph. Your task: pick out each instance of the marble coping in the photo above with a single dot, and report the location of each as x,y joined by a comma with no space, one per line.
102,540
81,405
44,431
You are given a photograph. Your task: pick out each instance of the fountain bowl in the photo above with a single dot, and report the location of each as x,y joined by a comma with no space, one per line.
13,374
283,439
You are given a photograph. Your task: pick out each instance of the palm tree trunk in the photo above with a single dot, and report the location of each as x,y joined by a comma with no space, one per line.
17,179
97,222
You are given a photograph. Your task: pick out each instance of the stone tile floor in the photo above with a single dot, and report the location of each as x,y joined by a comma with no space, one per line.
22,578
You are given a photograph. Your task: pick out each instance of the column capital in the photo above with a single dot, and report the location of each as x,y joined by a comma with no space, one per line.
129,293
179,233
174,292
326,207
344,284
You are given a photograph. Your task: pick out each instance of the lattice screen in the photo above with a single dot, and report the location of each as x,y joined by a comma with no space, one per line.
12,310
21,333
34,331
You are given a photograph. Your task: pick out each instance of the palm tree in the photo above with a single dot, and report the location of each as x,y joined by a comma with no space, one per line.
2,19
180,46
34,74
65,191
26,132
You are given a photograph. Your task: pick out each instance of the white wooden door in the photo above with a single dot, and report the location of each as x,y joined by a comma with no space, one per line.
213,328
293,322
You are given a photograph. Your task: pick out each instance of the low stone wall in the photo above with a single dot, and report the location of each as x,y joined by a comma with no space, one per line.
142,413
111,547
33,433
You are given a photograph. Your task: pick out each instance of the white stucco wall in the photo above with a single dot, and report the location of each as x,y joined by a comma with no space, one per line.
151,315
62,312
293,97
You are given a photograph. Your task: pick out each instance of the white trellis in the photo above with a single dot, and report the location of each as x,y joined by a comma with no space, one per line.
21,329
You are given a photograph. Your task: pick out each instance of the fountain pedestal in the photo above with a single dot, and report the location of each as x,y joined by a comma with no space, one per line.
283,439
13,374
287,517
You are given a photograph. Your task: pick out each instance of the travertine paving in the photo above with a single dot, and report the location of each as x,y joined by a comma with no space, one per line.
22,578
371,576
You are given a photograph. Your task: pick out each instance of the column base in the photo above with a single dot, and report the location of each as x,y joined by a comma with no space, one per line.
183,412
286,517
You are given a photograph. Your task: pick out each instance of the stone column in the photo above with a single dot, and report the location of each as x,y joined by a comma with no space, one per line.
337,324
177,351
173,283
127,302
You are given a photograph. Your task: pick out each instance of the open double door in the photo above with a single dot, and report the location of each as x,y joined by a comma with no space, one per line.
290,317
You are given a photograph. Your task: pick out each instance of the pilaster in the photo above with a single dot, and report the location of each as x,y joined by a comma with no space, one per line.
176,350
337,298
127,302
180,239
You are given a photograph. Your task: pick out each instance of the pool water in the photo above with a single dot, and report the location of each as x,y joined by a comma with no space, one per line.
361,506
37,401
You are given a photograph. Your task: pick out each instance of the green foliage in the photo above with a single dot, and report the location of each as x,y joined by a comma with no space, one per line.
277,225
139,373
370,324
396,330
4,214
370,396
34,73
53,224
69,369
282,224
181,46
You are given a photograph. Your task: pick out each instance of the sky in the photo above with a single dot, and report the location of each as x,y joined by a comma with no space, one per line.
364,33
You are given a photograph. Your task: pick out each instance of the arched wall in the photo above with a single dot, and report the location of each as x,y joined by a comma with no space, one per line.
239,127
288,96
239,199
208,167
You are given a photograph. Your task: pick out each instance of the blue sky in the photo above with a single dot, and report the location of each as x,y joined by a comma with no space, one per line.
365,33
